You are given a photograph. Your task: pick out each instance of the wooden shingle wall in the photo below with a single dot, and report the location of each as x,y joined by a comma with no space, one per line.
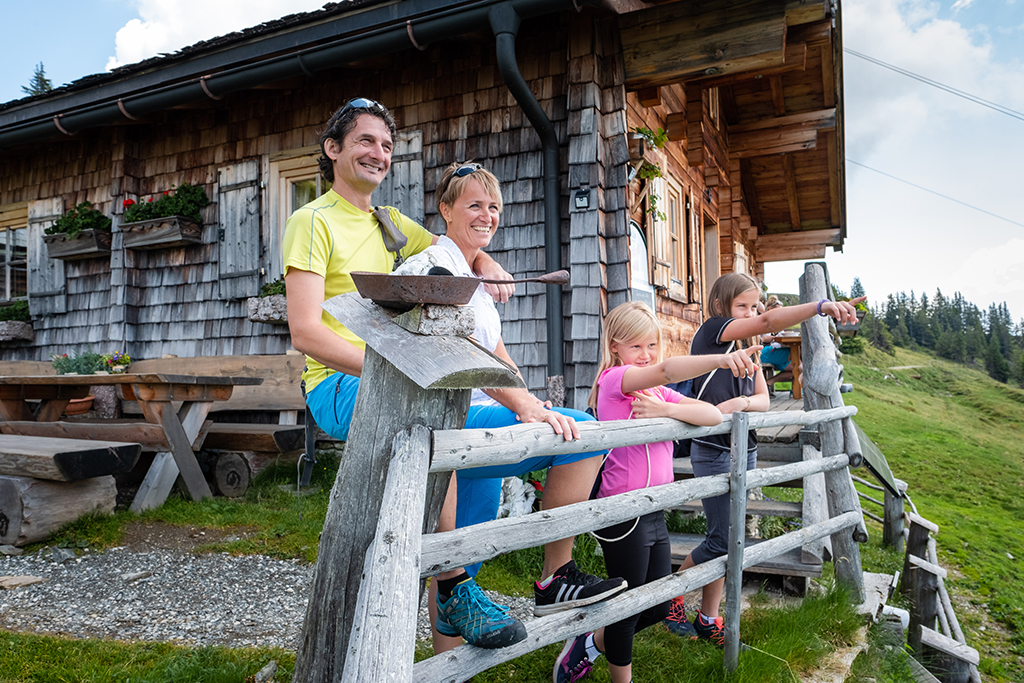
170,301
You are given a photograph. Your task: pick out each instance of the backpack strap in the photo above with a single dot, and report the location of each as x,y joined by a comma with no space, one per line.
394,239
712,373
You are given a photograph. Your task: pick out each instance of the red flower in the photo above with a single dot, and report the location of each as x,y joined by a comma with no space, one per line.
150,199
126,203
166,192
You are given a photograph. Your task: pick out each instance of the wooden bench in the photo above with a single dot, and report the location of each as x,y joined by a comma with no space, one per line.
64,459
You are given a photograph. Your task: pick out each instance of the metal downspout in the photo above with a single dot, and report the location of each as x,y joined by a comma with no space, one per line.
505,24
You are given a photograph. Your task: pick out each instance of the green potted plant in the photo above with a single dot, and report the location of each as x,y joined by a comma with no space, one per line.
173,219
82,232
87,363
14,322
270,306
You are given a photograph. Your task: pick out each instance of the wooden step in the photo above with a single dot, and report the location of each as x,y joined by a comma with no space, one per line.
261,438
787,564
64,460
762,508
683,469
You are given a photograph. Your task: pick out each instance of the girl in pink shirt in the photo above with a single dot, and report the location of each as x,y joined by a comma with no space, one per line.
629,385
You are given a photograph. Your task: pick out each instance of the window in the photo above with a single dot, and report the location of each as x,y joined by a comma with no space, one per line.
671,267
14,252
294,181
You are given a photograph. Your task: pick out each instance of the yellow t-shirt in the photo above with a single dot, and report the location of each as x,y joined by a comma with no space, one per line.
331,237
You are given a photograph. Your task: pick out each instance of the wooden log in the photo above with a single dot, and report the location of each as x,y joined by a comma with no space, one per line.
917,545
383,639
842,497
65,459
952,661
924,600
490,539
150,436
815,507
231,475
387,400
892,524
480,447
851,442
737,536
465,661
232,436
32,509
431,362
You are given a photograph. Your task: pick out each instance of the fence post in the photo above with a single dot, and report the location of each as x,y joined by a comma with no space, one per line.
917,546
924,599
737,538
892,527
407,378
821,391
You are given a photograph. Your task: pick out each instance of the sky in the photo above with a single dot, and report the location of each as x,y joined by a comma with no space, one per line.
899,238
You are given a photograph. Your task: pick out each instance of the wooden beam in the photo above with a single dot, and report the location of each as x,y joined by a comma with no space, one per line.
803,11
789,253
675,127
773,141
794,59
815,33
791,191
691,40
778,95
806,238
750,194
834,196
695,128
822,119
649,97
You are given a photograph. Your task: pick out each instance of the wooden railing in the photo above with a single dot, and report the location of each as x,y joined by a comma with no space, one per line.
404,443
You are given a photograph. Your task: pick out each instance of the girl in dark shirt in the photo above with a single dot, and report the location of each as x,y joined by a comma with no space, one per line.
732,303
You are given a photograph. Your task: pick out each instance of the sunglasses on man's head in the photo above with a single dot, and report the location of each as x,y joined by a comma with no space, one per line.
363,103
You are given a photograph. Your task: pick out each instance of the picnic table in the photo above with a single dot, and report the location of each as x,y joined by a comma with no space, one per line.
174,405
793,342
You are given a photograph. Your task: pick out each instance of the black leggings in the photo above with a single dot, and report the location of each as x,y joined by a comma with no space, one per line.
641,557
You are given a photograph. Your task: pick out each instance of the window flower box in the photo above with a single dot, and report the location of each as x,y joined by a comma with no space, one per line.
11,330
850,329
86,244
161,233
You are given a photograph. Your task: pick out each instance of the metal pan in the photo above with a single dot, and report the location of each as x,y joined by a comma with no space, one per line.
405,291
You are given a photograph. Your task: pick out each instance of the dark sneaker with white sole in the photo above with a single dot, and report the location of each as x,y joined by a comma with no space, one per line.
571,588
713,632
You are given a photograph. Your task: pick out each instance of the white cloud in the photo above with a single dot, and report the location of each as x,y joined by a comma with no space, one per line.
164,26
995,275
961,4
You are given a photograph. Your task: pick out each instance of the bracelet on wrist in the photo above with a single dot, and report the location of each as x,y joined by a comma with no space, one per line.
823,315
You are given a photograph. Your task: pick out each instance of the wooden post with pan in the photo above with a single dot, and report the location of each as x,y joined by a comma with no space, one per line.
408,379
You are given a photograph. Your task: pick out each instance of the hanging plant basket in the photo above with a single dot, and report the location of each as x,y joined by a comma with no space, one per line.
86,244
850,329
161,233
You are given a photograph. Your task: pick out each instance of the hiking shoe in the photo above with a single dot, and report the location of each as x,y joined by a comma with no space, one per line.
713,632
570,588
471,614
573,664
676,621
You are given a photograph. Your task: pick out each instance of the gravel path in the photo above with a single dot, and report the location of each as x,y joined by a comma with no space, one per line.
169,595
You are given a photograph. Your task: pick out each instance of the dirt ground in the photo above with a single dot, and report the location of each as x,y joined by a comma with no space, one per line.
143,536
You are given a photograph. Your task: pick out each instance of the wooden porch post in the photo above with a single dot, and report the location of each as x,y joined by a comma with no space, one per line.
737,538
407,379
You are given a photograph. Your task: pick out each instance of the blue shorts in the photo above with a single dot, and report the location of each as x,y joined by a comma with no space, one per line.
479,488
777,358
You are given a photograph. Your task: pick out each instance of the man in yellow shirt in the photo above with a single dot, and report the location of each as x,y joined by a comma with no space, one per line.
337,234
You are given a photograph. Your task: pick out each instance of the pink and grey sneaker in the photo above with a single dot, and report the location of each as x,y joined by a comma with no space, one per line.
573,664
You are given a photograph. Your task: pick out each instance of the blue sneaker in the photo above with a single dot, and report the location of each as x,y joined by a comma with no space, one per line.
573,664
676,621
471,614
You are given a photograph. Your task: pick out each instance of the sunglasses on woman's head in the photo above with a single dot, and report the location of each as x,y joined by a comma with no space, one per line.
461,172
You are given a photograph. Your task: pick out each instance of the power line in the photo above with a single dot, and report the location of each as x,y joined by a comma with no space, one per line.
941,86
937,194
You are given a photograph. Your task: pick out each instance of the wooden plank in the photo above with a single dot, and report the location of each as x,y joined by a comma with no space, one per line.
431,362
822,119
778,94
683,41
781,140
787,564
814,506
255,437
149,436
794,59
790,254
157,484
683,469
935,640
761,508
64,459
649,97
792,192
803,11
804,238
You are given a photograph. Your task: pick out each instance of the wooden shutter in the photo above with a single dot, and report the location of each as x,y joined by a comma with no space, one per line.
238,209
46,291
403,186
661,253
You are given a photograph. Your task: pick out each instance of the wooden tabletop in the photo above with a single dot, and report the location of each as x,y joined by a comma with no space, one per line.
127,378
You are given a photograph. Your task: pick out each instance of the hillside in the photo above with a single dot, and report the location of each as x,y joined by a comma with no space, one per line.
956,436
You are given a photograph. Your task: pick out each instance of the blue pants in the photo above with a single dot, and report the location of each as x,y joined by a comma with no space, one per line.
479,488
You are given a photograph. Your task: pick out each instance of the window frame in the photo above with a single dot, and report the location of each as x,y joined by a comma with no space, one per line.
13,217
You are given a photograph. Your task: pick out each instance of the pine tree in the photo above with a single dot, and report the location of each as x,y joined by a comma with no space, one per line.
40,83
995,363
856,289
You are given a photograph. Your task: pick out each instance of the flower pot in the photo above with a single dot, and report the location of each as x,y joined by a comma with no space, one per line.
271,309
161,233
79,406
86,244
16,329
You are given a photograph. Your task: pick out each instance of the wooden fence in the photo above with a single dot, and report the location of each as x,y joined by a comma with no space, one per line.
360,623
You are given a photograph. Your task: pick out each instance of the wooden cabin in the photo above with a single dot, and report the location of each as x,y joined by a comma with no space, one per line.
748,93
